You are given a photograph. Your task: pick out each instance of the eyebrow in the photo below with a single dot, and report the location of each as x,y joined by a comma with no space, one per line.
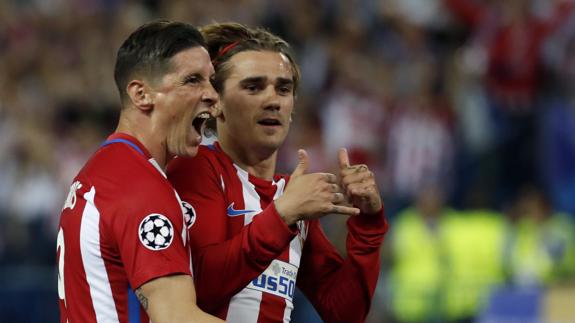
262,79
253,79
284,81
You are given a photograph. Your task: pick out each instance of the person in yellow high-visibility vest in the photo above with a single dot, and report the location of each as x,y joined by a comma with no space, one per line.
415,274
472,244
541,243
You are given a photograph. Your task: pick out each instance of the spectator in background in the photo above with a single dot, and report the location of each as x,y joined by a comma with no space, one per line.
557,141
510,37
540,244
472,243
420,143
444,262
416,260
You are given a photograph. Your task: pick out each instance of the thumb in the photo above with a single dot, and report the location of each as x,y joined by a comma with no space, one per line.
302,164
343,158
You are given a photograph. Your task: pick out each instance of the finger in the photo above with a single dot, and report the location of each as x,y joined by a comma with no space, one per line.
302,165
343,158
334,188
346,210
364,177
330,178
361,190
338,198
361,168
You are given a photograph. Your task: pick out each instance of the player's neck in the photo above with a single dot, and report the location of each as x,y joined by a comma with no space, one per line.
261,164
153,143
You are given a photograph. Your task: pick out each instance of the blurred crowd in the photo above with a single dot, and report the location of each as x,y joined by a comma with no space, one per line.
464,109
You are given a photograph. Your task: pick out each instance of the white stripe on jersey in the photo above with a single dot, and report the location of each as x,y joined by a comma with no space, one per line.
294,250
281,184
241,308
287,311
251,196
96,274
244,307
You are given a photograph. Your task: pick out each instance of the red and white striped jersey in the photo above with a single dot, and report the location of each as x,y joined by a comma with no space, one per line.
121,226
247,261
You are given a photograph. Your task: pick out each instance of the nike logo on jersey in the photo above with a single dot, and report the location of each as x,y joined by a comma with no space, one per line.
233,212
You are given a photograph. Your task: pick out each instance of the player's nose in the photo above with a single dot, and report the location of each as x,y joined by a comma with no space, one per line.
210,97
272,100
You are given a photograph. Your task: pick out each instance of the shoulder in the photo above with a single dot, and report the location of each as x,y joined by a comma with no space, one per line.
122,174
201,173
207,157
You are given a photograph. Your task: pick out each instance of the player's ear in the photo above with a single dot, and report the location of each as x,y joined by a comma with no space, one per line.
140,95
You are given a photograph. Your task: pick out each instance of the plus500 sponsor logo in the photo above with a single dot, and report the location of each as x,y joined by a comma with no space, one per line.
281,286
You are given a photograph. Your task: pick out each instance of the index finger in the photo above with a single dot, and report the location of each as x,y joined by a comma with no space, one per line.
343,158
346,210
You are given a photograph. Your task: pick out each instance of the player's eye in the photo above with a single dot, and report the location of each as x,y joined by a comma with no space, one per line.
252,87
192,79
285,90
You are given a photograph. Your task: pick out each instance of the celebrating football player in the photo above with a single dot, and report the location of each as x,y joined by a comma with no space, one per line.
256,235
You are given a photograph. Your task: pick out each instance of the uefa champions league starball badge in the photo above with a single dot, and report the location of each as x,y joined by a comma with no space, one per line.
156,232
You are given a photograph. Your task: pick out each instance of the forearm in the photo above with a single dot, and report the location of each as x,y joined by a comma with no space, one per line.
222,269
346,287
172,299
366,233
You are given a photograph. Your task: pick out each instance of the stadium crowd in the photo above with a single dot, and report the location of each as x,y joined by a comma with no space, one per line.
464,110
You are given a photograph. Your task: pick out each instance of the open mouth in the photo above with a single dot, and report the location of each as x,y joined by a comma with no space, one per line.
200,120
269,122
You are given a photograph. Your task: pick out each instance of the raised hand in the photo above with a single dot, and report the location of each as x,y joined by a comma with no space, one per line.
310,196
358,183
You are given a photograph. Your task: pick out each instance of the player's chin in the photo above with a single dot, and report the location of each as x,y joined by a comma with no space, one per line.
272,143
190,149
187,147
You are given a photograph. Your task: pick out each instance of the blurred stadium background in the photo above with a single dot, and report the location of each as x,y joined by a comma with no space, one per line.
465,109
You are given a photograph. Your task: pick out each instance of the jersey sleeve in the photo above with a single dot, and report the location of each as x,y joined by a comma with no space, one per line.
223,264
148,232
340,289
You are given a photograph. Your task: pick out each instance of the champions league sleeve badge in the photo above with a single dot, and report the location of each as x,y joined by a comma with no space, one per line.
156,232
189,214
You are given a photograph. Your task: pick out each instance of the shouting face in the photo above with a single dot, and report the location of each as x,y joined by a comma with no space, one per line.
183,100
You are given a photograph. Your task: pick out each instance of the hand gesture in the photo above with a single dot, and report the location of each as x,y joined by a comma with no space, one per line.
359,185
310,196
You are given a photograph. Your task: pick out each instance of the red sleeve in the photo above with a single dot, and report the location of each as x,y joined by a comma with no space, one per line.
224,265
341,290
468,11
149,236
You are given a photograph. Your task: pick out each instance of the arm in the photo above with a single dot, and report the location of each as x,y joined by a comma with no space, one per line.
224,268
341,290
172,299
223,265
